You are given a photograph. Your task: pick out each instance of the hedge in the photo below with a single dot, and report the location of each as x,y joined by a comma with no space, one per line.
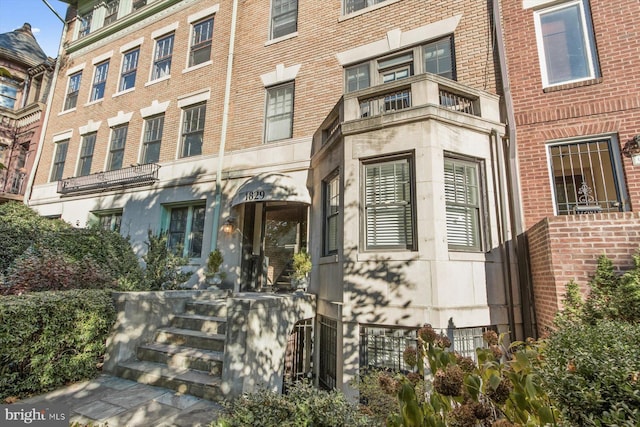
48,339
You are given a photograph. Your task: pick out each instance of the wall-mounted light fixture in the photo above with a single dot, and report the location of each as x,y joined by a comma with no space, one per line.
228,225
632,149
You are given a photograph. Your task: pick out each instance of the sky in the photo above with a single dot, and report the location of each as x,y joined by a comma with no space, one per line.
46,27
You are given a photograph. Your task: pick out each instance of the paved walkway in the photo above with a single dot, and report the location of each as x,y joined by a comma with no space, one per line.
119,402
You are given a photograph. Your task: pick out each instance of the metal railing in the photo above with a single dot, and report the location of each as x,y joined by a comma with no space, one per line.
385,103
456,102
131,176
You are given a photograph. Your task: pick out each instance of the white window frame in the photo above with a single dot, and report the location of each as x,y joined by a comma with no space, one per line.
158,72
277,15
464,199
110,220
188,129
85,156
59,160
275,109
117,145
73,90
99,85
157,131
376,209
195,45
127,70
587,40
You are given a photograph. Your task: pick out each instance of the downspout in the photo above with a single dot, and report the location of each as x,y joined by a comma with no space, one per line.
47,114
509,148
225,121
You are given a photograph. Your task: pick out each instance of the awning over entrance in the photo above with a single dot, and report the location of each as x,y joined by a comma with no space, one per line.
271,187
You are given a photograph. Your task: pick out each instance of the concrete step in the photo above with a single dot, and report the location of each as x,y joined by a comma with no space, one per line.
190,338
214,308
197,322
186,381
180,357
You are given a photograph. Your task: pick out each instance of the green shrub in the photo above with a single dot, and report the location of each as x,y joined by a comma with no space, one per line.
304,405
19,228
163,268
374,401
592,371
51,338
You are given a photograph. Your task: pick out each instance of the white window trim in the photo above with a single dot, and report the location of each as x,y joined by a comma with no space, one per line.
68,134
77,68
164,30
588,43
101,58
154,109
364,10
120,119
203,13
194,98
281,74
90,127
397,40
131,45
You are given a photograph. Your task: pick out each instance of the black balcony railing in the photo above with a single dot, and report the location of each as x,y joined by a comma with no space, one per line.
126,177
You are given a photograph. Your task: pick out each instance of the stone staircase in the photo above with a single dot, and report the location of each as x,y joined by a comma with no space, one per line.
186,355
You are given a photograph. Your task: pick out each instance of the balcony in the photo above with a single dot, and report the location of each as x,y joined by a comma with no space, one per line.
409,98
102,181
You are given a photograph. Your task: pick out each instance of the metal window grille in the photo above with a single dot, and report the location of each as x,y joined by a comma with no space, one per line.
328,353
585,178
465,341
298,355
383,348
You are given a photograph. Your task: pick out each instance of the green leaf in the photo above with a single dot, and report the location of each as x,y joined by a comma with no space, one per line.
473,383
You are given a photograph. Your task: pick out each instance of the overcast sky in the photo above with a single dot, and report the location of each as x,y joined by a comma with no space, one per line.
44,24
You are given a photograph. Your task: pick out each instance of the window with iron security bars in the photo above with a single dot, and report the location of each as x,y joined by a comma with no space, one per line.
587,177
328,353
383,347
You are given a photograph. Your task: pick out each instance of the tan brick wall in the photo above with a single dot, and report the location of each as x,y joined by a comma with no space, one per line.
566,248
318,86
609,105
179,84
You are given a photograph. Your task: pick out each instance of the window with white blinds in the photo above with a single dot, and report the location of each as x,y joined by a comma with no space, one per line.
388,204
462,195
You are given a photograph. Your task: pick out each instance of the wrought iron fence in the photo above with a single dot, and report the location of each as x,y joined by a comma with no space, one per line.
132,176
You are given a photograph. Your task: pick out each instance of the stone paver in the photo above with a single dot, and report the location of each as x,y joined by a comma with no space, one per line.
124,403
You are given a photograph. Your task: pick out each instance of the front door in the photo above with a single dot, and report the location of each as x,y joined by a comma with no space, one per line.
278,230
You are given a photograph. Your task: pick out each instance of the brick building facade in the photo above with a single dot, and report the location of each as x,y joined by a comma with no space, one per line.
576,104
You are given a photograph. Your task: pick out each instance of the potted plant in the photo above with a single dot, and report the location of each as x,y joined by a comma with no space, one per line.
301,269
212,273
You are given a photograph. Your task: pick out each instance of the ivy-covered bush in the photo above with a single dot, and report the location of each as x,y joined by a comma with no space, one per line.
38,254
51,338
303,405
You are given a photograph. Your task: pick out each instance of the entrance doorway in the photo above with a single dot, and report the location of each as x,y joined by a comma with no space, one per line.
274,232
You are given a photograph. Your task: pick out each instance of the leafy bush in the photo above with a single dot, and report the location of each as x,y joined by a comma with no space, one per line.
163,267
592,371
501,389
592,359
51,338
304,405
375,401
37,253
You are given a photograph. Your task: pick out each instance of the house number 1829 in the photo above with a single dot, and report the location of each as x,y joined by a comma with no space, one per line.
254,195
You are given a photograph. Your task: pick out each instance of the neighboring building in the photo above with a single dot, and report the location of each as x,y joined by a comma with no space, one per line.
369,133
572,68
25,78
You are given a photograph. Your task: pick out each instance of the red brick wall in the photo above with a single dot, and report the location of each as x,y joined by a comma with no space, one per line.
565,248
611,104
